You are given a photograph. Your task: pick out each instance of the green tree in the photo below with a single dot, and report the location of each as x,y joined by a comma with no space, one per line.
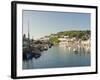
54,40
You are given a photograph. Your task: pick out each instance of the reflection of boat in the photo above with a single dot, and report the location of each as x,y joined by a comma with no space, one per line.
37,56
27,56
30,55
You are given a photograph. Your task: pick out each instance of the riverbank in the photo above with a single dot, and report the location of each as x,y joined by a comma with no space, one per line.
75,45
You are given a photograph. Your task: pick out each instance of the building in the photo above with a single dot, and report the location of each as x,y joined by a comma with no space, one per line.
63,42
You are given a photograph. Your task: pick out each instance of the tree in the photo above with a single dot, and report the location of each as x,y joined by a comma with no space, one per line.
54,40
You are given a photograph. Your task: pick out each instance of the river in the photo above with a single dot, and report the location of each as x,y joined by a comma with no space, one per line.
58,57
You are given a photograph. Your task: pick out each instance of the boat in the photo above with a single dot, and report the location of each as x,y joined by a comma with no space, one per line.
75,50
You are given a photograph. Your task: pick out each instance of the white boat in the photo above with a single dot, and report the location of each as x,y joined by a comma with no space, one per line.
75,50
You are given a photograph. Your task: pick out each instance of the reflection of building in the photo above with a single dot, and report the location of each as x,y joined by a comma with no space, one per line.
87,45
74,43
86,42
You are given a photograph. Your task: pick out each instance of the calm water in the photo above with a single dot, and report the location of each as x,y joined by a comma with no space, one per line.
59,57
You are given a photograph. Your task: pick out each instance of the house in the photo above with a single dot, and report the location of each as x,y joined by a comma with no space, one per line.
63,41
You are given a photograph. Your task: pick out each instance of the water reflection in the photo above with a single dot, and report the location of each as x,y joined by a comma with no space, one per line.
58,57
77,50
30,56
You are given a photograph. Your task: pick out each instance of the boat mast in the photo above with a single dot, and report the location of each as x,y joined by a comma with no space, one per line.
28,30
28,34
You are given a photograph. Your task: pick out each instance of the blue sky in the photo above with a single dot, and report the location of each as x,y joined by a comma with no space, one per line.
43,23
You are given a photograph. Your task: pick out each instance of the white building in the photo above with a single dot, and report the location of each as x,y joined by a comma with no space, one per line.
63,42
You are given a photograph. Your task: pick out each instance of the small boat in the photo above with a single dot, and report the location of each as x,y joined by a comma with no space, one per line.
75,50
45,48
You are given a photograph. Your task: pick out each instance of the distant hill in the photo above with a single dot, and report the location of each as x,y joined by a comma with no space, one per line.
78,34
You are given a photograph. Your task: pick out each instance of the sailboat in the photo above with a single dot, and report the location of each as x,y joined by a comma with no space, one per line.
29,53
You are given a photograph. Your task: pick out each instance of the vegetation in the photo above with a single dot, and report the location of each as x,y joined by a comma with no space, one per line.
77,34
54,40
83,35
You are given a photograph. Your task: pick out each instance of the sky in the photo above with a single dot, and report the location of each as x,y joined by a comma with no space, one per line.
42,23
